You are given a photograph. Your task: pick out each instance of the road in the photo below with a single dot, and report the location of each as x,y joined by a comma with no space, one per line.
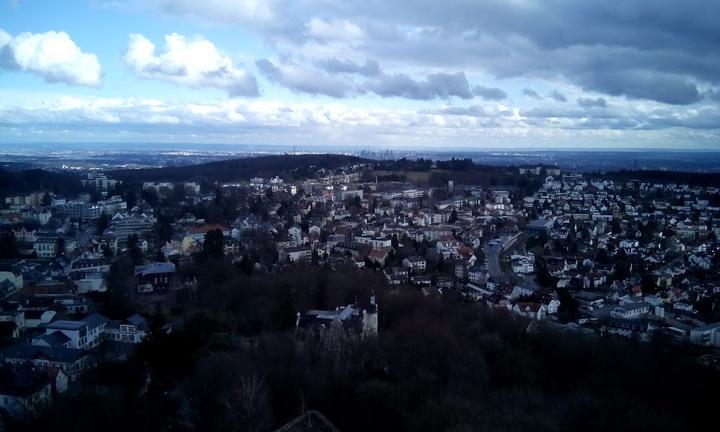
492,255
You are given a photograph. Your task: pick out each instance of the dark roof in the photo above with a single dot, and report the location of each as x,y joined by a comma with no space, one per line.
155,268
24,351
21,380
311,421
95,320
55,339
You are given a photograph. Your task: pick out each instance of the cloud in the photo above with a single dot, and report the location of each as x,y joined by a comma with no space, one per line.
336,65
252,12
489,93
592,103
713,95
593,44
305,80
435,86
532,94
665,88
93,119
193,62
475,111
335,29
557,96
51,55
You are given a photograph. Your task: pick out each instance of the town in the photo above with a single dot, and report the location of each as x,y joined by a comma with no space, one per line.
88,277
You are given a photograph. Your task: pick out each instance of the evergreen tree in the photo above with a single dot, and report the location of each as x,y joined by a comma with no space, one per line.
103,223
214,244
134,250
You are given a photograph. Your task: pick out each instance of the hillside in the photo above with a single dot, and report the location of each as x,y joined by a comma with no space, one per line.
38,179
296,166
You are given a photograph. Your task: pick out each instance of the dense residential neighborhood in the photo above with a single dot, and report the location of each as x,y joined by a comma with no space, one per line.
85,279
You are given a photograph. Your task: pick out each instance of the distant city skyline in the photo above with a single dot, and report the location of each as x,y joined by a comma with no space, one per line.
416,74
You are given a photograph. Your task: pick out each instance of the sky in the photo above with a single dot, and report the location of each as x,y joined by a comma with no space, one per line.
410,74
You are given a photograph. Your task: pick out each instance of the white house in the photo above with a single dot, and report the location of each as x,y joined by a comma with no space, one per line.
533,310
415,263
84,334
523,264
295,254
630,310
707,335
132,330
295,234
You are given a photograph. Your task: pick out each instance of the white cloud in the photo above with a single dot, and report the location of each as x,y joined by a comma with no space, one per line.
334,29
52,55
194,62
273,121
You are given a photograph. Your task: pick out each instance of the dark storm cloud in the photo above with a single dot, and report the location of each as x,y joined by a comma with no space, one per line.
336,65
532,94
435,86
592,103
672,45
303,80
659,50
558,97
489,93
664,88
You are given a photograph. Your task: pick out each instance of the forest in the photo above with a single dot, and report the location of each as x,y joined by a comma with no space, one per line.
438,363
295,166
30,180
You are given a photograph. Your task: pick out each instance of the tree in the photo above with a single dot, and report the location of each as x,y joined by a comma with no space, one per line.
218,196
103,223
647,284
60,246
453,216
314,258
134,249
118,300
569,307
394,242
8,246
106,251
480,255
214,244
283,310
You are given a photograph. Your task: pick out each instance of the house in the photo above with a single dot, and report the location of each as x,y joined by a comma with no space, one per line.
633,310
295,254
12,312
132,330
351,318
415,263
24,389
379,256
477,274
629,328
707,335
155,277
295,234
532,310
83,334
10,282
197,234
523,264
73,362
36,318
